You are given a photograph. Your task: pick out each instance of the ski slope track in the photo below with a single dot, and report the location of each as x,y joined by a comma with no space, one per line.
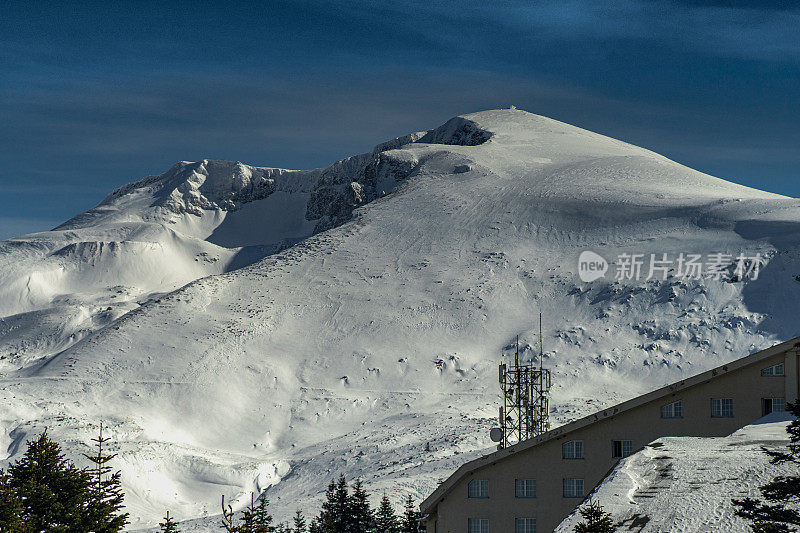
247,329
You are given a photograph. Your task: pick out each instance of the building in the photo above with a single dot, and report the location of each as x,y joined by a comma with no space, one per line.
533,485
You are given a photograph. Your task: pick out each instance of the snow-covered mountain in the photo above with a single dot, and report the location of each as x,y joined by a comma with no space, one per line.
244,329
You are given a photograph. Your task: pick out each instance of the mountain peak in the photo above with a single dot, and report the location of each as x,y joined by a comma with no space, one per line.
252,328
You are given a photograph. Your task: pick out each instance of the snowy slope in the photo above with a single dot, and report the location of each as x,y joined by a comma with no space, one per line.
352,349
685,484
155,235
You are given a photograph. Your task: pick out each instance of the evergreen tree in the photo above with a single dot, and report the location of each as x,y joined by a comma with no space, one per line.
10,507
335,514
262,520
53,493
595,520
775,517
361,519
410,520
168,525
342,516
385,518
299,523
254,519
324,522
247,523
106,498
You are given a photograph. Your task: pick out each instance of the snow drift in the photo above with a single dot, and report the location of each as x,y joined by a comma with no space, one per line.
686,484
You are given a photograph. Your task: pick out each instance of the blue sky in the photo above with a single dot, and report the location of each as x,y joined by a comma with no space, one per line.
95,95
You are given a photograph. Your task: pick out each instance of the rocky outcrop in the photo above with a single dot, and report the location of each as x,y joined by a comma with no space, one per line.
457,131
358,180
341,189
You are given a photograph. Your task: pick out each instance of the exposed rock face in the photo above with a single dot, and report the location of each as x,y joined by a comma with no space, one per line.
205,185
342,188
358,180
200,186
457,131
200,191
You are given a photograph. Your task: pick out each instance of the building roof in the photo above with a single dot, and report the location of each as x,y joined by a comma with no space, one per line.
467,468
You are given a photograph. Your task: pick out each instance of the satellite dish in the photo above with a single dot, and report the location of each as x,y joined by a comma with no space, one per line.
496,434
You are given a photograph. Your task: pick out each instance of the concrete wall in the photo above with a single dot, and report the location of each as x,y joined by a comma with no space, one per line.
641,424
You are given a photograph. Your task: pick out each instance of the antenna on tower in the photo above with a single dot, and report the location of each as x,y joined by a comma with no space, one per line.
541,349
525,412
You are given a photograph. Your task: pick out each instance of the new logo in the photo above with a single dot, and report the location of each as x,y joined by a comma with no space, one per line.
591,266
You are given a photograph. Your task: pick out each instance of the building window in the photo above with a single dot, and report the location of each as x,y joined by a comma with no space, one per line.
621,448
771,405
478,525
722,407
573,488
572,449
776,370
526,525
672,410
478,488
525,488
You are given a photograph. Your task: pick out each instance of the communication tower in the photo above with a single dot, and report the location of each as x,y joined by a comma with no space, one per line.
526,404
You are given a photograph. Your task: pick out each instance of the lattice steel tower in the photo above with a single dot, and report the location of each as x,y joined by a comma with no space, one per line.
526,405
